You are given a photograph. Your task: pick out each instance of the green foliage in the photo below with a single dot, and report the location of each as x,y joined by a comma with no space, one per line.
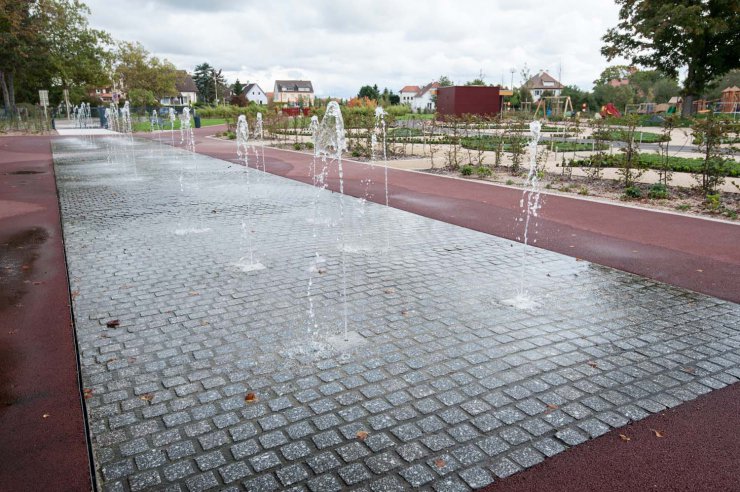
476,81
654,161
710,133
142,98
466,170
619,96
713,201
46,44
444,81
697,34
613,72
658,191
138,69
632,192
483,171
237,88
370,92
210,82
624,136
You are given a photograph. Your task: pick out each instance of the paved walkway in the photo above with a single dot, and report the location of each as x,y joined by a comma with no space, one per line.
42,434
694,253
201,375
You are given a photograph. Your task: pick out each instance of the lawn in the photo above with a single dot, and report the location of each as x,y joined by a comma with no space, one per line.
145,126
412,116
644,137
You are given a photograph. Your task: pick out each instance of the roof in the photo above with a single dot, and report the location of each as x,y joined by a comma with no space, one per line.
293,85
734,88
429,87
411,88
249,87
539,80
185,82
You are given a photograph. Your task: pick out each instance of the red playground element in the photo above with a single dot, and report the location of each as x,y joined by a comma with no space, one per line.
610,110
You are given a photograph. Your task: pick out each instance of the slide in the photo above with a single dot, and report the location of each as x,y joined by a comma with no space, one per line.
610,110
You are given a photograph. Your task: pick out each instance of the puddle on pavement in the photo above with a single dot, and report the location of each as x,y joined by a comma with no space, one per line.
18,254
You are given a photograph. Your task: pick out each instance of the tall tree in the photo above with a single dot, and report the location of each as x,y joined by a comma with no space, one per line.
476,81
370,92
210,83
138,69
613,72
237,88
700,35
48,43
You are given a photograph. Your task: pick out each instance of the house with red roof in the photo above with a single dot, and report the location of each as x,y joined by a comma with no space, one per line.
420,98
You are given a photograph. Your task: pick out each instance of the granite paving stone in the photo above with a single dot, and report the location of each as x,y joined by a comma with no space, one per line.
437,365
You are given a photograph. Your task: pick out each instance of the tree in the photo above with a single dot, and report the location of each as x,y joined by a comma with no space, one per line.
620,96
141,98
138,69
48,43
210,83
370,92
578,97
237,88
614,72
700,35
715,87
476,81
444,81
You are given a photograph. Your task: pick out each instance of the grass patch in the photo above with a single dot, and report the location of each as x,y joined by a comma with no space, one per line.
654,161
621,136
412,116
145,126
404,132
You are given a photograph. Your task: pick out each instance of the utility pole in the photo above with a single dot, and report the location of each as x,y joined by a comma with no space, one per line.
512,70
215,86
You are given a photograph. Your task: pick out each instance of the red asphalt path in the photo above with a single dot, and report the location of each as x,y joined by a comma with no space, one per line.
690,252
43,445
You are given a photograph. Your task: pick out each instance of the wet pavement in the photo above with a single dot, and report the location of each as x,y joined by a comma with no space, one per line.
442,385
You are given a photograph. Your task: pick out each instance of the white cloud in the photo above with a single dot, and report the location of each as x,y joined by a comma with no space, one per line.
342,45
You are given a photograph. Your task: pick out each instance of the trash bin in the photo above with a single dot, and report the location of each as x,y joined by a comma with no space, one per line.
196,120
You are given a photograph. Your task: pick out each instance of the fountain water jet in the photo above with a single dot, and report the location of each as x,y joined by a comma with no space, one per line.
246,263
532,194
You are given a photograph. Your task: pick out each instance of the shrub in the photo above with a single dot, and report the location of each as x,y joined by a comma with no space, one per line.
712,201
632,192
509,182
466,170
658,191
297,146
483,171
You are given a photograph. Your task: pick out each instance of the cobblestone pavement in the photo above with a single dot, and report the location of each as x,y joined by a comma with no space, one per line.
441,385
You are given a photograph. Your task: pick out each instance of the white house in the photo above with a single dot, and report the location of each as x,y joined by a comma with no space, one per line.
424,100
420,98
254,93
542,82
408,94
294,92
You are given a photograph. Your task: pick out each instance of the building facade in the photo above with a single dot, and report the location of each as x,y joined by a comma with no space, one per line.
294,92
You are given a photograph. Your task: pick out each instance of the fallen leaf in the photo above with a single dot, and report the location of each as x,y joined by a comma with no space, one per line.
440,463
204,323
592,363
114,323
88,393
250,398
578,259
321,271
147,397
699,270
690,370
362,435
74,294
658,433
625,438
193,293
405,313
389,291
131,360
552,406
46,415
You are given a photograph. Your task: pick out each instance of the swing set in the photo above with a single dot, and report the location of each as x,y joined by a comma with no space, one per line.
554,106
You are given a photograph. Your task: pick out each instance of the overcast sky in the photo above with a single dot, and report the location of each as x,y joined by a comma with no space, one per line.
342,45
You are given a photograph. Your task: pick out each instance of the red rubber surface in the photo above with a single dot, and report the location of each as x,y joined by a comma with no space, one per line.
699,451
42,431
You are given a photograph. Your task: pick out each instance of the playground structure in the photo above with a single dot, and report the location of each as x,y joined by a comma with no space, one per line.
554,106
610,110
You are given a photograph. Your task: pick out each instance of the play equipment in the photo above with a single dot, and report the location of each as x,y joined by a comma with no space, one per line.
554,105
610,110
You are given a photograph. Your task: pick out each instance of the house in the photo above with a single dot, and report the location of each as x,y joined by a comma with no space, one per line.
542,82
408,93
187,92
104,94
420,98
294,92
254,93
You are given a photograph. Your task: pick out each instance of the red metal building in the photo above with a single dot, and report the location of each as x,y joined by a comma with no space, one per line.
459,100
